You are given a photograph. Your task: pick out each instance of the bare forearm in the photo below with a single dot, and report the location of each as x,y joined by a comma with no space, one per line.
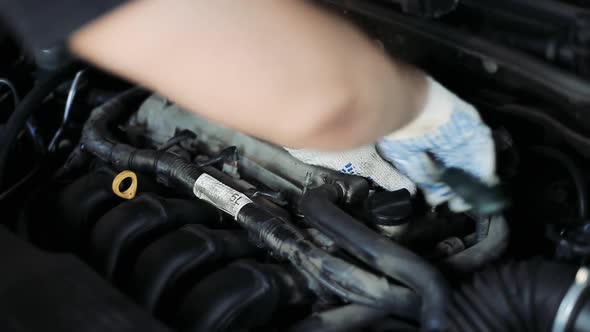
280,70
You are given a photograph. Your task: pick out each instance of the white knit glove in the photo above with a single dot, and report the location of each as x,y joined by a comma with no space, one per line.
363,161
449,129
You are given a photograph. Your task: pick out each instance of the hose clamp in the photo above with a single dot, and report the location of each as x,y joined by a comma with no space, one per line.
570,300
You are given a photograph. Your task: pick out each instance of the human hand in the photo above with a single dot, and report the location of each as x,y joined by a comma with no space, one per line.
450,131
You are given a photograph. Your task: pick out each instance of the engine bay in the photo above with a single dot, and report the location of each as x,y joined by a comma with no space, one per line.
125,212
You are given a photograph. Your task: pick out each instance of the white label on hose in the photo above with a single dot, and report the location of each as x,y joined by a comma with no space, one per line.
223,197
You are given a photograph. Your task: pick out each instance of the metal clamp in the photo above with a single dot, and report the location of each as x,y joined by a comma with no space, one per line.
570,300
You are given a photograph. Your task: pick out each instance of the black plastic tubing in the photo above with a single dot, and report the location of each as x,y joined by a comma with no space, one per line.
318,206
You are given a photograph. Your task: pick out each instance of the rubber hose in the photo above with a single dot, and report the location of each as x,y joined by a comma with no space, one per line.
318,206
512,297
25,109
488,249
579,142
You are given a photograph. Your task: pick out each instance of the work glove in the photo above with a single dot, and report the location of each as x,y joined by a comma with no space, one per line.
363,161
448,133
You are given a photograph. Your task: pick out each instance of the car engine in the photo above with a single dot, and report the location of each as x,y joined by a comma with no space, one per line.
125,212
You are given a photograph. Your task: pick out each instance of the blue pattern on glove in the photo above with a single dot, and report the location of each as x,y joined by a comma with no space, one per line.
464,141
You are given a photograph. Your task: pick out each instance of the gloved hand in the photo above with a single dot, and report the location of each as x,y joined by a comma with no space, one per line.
448,129
363,161
451,131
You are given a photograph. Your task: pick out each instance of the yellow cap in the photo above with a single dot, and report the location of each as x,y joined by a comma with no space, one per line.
130,192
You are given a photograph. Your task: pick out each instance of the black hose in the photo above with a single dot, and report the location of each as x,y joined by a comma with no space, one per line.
346,280
318,206
515,297
579,142
484,251
512,297
25,109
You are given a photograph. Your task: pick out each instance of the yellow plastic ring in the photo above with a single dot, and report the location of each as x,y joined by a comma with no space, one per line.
128,193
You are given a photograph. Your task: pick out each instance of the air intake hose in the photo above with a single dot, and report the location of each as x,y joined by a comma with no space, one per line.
510,297
520,297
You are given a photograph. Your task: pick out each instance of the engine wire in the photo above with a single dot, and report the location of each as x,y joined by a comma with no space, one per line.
67,110
33,133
